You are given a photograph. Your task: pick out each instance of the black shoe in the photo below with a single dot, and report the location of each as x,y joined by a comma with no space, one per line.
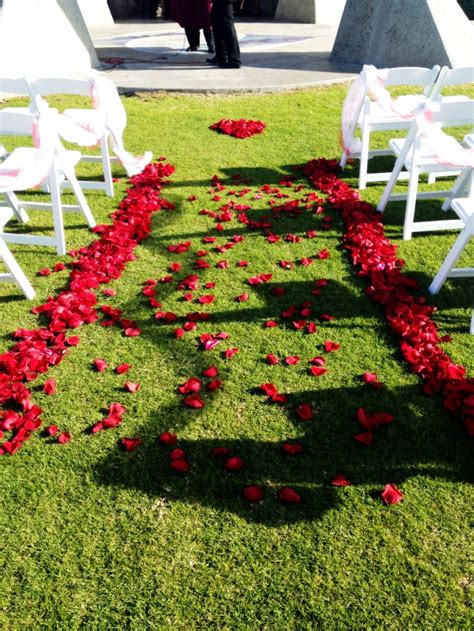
211,51
229,64
215,60
192,49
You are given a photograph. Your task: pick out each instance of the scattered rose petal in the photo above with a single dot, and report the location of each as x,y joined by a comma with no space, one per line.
64,437
317,371
272,359
287,494
52,430
180,465
304,412
100,365
177,453
211,372
168,439
49,387
122,368
292,360
340,480
253,493
220,452
234,464
391,494
129,386
292,449
194,401
331,347
130,444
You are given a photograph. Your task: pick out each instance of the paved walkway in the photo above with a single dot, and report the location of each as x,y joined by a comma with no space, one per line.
276,56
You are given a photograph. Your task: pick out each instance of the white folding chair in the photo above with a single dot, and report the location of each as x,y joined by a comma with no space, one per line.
15,274
464,208
26,167
372,115
88,118
449,77
415,154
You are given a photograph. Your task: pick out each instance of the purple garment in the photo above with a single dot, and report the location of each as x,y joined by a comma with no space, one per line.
191,13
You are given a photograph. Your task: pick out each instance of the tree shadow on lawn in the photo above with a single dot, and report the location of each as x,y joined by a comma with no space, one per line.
415,445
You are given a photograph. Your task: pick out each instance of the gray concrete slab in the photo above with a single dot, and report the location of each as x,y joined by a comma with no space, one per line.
276,56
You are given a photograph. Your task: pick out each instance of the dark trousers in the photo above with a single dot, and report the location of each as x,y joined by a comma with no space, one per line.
225,35
192,35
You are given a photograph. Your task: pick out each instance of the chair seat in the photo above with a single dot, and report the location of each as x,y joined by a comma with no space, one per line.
426,159
464,208
378,115
18,157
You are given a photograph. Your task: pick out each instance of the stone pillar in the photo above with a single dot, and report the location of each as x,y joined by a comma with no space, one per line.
45,36
310,11
391,33
96,13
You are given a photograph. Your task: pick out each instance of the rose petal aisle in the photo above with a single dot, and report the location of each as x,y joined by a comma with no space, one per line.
234,404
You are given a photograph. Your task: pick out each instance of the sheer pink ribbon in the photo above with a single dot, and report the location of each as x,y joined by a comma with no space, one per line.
444,148
27,167
86,127
371,82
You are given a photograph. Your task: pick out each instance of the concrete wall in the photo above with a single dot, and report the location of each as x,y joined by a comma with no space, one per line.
96,13
310,11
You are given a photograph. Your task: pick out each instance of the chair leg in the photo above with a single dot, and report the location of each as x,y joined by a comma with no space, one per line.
364,157
104,149
15,270
450,261
57,210
471,328
462,182
411,203
343,161
81,200
14,203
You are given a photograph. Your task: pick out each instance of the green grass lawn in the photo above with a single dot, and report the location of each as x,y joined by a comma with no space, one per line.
94,537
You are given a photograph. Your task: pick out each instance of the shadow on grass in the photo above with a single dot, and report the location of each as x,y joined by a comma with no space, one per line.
416,445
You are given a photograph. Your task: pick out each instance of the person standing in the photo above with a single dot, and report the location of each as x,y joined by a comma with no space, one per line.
225,36
194,15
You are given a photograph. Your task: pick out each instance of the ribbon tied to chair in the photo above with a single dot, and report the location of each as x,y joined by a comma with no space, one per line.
371,81
86,127
444,148
32,166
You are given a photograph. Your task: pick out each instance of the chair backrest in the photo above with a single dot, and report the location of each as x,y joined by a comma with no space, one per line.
15,123
455,114
452,76
413,75
44,86
14,85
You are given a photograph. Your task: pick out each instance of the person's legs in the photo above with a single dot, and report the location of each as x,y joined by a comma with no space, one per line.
192,35
209,36
224,30
216,21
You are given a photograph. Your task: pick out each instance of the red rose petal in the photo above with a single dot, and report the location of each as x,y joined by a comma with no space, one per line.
122,369
253,493
340,480
317,371
129,386
292,360
64,437
168,439
211,371
331,347
391,494
130,444
272,359
304,412
287,494
49,387
219,452
194,401
100,365
52,430
292,449
177,453
366,438
180,465
234,464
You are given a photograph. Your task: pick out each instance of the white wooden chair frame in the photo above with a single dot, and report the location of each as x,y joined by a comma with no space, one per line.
15,274
464,208
413,154
62,168
75,86
372,118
